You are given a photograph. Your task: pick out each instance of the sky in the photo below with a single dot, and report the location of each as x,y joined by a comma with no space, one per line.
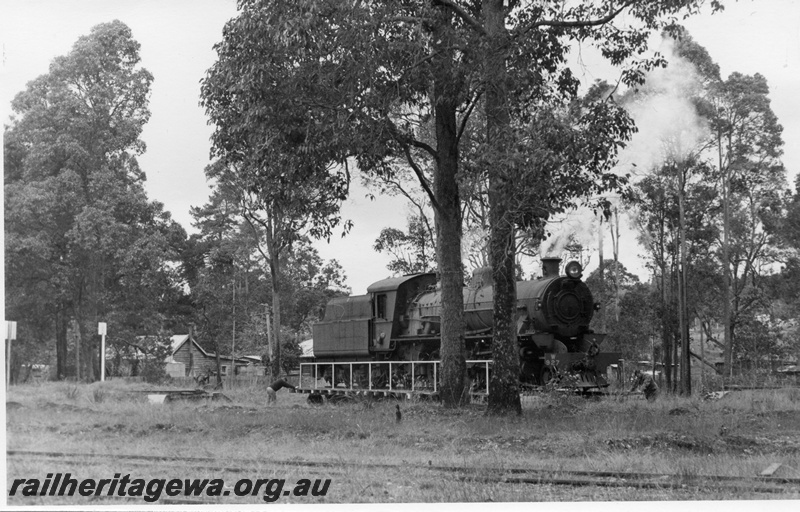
177,38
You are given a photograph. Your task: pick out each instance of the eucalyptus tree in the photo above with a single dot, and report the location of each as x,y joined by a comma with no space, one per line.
748,141
230,291
745,143
81,235
278,197
278,213
681,244
340,80
224,285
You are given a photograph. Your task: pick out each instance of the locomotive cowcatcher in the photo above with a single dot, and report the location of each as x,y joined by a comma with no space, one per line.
398,320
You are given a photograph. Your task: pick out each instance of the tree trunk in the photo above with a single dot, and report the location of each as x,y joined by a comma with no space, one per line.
276,336
726,274
274,272
504,380
686,375
675,340
676,300
78,349
61,343
666,341
615,247
448,225
601,274
448,238
219,362
233,330
268,323
88,351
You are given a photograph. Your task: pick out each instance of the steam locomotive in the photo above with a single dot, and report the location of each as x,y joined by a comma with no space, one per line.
399,320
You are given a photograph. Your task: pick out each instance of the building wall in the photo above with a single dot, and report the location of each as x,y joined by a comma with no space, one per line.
197,363
176,369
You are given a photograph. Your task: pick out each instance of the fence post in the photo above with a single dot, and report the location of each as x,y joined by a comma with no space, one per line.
487,377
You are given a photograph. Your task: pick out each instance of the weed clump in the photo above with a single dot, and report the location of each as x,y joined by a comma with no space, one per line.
98,395
71,391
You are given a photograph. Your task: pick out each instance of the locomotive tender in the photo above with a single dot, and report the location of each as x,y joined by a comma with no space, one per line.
399,320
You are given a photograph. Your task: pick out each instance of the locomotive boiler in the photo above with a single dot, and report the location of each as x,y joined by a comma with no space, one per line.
399,319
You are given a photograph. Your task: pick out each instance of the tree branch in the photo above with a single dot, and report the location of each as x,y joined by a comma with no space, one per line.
419,145
573,23
420,207
423,181
466,117
406,141
463,14
583,23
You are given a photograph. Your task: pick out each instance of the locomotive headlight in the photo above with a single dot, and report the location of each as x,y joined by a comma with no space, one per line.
574,270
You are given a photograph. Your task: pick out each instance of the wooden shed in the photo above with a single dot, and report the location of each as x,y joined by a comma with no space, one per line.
198,361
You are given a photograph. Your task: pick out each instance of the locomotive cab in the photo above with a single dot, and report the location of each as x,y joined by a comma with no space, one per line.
365,326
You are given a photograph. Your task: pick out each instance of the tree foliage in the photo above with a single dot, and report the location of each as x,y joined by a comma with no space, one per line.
83,242
231,291
735,202
413,251
281,193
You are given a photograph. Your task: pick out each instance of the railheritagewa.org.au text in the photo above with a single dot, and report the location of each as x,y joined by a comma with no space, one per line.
151,490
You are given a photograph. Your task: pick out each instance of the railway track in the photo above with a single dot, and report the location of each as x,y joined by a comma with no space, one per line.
511,476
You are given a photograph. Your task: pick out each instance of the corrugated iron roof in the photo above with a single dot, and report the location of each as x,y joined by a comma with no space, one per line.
177,341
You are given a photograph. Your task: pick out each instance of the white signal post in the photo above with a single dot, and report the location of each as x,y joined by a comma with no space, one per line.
101,330
11,334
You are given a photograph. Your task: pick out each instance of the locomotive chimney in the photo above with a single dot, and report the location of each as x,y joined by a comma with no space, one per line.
550,267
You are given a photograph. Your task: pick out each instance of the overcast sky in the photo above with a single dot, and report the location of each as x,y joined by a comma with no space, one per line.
177,38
